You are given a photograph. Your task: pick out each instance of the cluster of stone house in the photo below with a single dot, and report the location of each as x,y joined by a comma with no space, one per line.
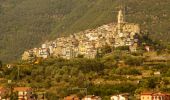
93,97
21,93
88,97
125,96
27,93
88,42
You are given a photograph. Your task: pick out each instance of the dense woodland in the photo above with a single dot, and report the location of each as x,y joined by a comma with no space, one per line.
25,24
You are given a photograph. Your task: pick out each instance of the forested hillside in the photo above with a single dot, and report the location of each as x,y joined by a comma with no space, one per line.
113,73
27,23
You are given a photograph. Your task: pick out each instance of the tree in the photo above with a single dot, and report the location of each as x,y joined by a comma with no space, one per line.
80,56
123,48
106,49
0,64
127,71
14,96
149,83
51,96
135,61
109,61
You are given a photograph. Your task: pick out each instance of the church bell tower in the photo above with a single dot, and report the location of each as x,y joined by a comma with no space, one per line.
120,17
120,21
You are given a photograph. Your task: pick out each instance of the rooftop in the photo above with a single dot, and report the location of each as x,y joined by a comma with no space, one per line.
22,88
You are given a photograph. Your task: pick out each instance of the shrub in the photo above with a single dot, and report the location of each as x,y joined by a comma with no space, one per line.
127,71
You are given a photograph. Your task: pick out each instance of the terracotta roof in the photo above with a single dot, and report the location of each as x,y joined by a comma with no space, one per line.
71,97
161,94
91,96
147,93
1,88
22,88
123,94
154,93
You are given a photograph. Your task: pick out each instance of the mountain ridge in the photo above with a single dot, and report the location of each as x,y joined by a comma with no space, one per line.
26,24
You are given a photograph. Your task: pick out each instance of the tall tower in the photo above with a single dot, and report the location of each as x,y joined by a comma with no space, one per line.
120,17
120,21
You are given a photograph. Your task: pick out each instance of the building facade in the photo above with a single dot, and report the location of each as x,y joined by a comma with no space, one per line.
24,93
155,96
92,97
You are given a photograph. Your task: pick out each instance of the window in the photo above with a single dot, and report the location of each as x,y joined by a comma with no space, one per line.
143,97
20,93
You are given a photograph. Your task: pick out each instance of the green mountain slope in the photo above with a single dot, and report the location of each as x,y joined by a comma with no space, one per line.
27,23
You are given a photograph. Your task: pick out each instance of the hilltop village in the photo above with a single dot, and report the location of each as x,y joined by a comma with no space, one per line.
88,42
120,75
